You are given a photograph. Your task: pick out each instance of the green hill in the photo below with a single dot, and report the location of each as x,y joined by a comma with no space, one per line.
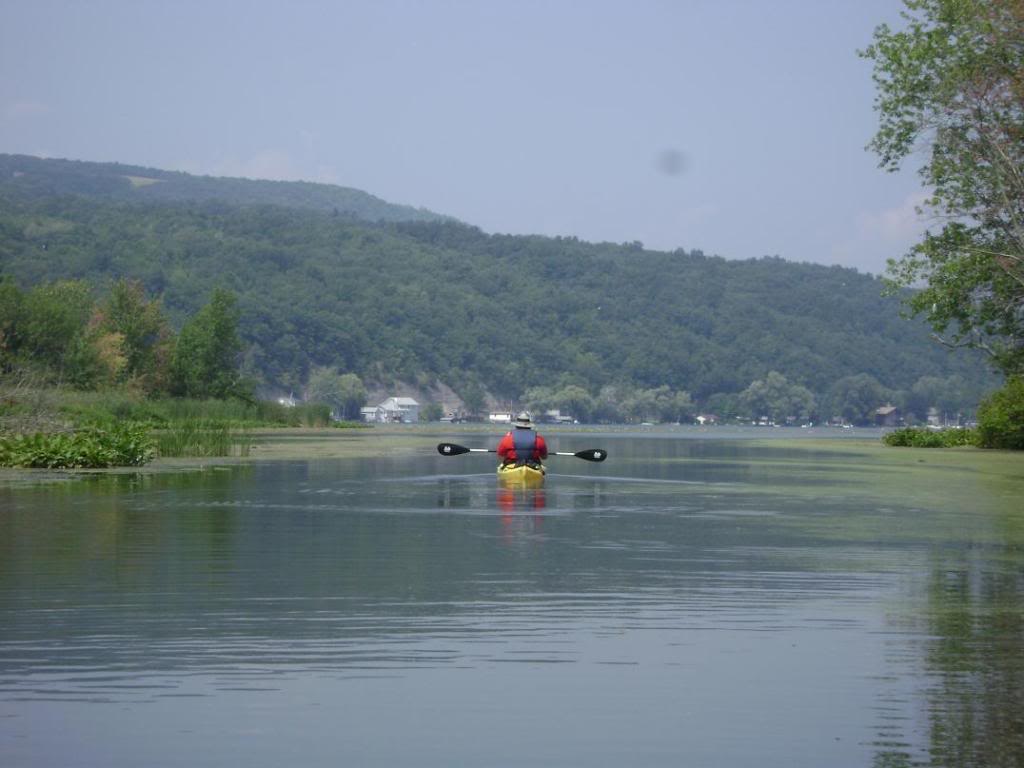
438,300
37,178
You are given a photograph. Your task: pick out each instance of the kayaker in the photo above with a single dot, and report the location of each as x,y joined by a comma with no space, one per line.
522,444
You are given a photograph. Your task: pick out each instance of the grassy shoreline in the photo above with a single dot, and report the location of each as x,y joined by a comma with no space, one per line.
327,443
56,428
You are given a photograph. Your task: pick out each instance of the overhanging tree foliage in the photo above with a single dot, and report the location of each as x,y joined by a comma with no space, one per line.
951,84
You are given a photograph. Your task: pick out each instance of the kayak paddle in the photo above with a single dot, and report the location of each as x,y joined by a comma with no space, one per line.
451,449
591,454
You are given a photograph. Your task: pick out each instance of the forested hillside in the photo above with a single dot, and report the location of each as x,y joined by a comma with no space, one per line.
36,178
437,300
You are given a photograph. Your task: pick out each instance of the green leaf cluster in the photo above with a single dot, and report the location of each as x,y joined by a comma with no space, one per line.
48,328
205,359
122,445
138,334
1001,417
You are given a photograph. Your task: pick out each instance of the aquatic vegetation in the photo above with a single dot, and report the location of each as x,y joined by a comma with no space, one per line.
118,446
202,437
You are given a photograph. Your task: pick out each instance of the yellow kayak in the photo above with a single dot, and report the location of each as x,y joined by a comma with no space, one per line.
523,474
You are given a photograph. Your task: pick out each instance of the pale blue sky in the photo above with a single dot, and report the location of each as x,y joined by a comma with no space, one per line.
735,127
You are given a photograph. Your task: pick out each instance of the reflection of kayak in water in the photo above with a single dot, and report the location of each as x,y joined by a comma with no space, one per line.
521,474
515,499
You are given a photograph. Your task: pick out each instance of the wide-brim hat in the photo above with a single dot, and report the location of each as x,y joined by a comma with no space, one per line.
523,421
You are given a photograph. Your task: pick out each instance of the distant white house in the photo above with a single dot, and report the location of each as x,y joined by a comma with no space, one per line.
499,418
372,414
556,417
402,410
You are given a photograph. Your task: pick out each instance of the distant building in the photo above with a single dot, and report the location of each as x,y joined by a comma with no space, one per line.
556,417
400,410
372,414
500,418
887,416
394,410
287,402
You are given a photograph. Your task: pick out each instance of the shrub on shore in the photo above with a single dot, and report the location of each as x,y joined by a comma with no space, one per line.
916,437
1001,417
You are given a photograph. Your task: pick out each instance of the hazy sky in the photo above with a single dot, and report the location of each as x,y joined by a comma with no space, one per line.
735,127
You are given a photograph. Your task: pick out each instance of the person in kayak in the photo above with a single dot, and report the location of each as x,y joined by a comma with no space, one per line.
523,445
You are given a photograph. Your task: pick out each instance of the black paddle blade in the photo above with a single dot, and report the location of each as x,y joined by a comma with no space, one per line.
451,449
594,454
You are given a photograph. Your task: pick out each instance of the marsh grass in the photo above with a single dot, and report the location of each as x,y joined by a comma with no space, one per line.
201,438
61,428
104,408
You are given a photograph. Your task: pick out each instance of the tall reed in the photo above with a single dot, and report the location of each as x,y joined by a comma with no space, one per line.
201,438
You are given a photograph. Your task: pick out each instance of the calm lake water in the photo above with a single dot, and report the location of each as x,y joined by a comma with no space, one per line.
690,602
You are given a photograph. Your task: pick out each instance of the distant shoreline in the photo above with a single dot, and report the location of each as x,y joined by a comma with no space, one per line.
327,444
